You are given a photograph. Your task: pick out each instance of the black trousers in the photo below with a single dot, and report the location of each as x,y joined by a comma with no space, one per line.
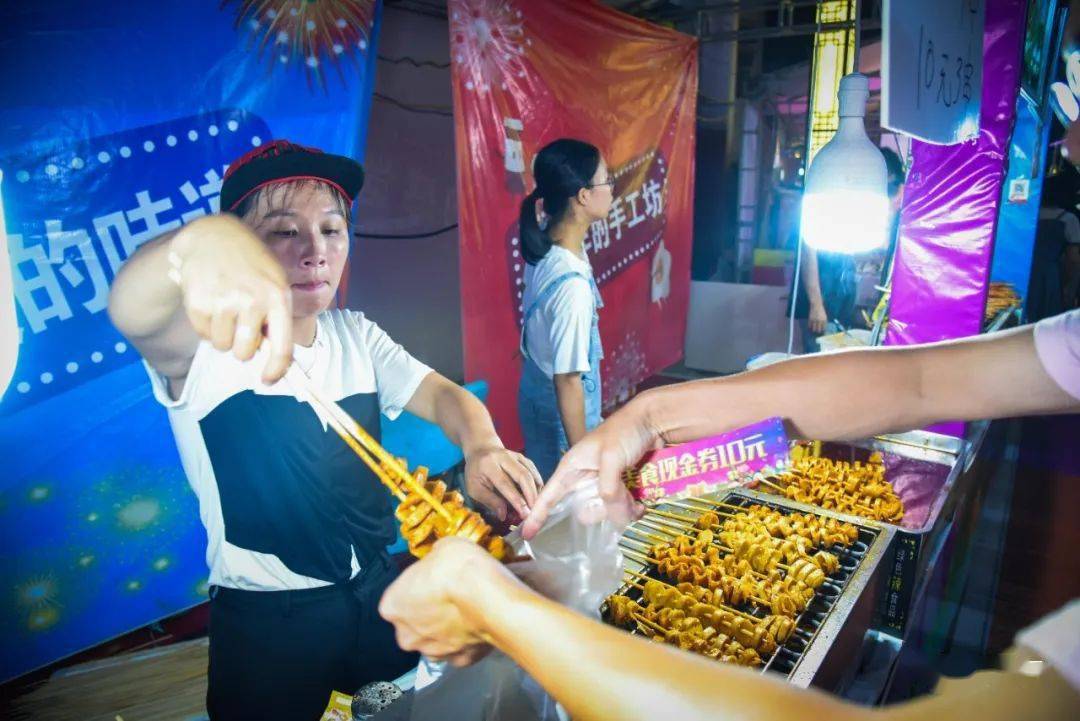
279,654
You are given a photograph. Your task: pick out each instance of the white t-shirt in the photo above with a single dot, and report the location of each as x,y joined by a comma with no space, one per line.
558,332
285,503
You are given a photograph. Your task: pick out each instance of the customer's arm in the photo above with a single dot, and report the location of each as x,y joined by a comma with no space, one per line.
598,672
833,396
853,394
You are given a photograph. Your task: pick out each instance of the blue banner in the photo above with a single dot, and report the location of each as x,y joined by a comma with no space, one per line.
1014,243
118,122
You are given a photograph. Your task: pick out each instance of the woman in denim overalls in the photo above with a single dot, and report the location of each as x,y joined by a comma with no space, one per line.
559,395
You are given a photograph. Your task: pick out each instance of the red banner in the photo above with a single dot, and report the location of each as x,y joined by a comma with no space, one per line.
524,74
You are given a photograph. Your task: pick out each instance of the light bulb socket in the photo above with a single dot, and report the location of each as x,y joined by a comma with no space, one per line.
853,93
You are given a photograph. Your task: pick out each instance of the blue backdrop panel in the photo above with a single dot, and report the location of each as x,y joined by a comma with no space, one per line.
117,124
1014,243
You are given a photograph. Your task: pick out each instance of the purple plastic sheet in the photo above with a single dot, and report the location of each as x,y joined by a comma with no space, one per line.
918,484
951,204
951,201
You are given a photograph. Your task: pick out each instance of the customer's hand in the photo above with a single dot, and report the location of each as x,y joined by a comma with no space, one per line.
235,292
505,482
438,604
600,458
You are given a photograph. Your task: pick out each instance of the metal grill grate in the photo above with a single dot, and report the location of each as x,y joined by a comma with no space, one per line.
787,656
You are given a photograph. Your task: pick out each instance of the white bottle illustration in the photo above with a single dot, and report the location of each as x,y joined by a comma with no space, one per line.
514,156
9,330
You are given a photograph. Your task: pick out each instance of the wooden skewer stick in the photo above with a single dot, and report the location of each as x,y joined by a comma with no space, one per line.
367,459
646,534
654,537
679,503
674,516
650,633
638,556
695,499
712,509
772,485
652,624
634,541
356,431
713,505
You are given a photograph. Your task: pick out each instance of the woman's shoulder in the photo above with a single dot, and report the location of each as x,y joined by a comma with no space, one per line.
349,326
558,262
338,319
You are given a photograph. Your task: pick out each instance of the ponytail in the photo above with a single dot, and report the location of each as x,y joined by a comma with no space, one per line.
561,169
535,243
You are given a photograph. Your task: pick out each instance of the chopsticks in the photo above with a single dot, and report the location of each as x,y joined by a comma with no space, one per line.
386,467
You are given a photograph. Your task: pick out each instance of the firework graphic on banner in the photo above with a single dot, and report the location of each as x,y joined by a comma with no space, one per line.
311,33
487,38
622,369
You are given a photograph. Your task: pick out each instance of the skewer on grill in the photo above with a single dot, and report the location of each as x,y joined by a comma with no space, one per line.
724,606
790,486
683,631
734,588
785,625
821,531
802,569
848,531
791,550
686,562
766,482
759,634
849,487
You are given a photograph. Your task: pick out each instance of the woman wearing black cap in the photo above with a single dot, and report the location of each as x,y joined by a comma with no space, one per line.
297,526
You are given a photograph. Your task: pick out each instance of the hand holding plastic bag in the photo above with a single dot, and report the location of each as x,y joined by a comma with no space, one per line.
575,561
598,460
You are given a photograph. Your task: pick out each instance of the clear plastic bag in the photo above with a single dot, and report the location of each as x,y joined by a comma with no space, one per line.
575,560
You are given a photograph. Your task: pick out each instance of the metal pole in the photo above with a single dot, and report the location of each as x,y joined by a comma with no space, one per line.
858,33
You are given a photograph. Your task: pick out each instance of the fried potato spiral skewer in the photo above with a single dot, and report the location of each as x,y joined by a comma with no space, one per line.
421,526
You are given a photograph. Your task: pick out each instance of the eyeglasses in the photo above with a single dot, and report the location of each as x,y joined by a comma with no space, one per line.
610,181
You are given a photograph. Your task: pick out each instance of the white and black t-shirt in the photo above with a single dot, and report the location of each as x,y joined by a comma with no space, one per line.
285,503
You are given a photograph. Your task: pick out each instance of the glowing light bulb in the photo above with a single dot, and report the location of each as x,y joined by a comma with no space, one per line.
845,205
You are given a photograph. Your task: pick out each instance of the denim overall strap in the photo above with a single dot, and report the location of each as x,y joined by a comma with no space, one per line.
545,293
590,381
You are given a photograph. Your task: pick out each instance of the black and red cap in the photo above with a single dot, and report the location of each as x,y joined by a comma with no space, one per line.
280,161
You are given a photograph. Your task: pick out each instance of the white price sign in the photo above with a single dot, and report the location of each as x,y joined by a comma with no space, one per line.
931,68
